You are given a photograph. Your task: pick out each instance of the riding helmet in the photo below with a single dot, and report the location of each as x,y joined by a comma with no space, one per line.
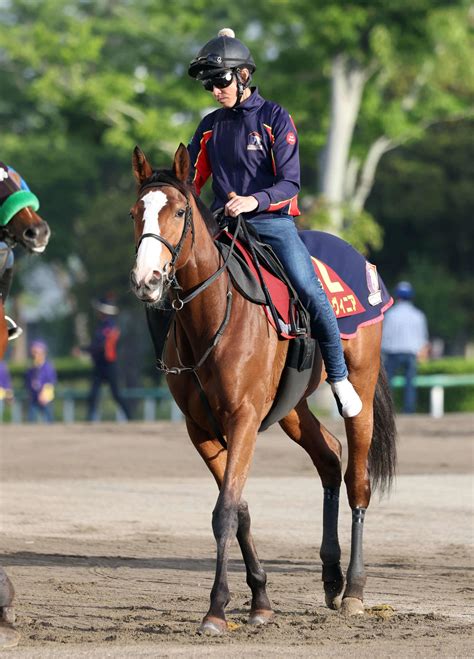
222,53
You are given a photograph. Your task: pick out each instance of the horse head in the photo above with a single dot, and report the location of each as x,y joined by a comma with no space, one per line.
28,229
19,221
163,224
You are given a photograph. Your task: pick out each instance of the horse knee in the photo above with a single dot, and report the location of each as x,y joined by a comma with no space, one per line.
224,520
243,517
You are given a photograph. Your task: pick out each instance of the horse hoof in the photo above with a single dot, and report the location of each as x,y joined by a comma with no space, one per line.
212,628
258,618
8,636
8,615
351,606
333,602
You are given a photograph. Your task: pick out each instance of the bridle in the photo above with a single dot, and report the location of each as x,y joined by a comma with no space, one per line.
170,272
172,283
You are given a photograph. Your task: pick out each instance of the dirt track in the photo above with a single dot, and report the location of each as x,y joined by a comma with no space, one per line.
108,541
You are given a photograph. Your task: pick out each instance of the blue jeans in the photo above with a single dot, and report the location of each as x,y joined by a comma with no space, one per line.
404,362
105,372
35,410
281,234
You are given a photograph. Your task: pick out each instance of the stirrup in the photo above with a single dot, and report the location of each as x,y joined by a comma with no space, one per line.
13,331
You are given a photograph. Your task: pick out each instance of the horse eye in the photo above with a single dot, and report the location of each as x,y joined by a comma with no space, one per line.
180,213
130,215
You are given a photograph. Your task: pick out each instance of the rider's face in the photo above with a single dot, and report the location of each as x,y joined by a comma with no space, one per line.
227,96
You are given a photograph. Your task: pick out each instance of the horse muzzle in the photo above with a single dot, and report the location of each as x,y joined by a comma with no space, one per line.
150,290
36,238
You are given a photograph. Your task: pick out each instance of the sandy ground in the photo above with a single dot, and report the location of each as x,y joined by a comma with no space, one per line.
106,534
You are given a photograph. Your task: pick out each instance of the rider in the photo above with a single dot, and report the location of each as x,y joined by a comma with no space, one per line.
250,147
12,199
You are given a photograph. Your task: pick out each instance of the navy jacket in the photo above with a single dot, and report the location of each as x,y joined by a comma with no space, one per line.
251,150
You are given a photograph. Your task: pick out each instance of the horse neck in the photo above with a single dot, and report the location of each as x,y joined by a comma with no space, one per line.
202,313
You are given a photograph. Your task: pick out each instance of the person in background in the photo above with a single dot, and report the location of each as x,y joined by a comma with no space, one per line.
6,389
103,351
40,381
405,341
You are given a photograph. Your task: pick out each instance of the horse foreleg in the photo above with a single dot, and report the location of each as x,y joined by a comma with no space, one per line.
261,609
215,457
325,452
8,636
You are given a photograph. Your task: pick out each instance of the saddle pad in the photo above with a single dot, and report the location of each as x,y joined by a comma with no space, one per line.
353,286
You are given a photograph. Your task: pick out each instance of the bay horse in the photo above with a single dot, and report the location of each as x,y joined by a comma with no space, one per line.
238,370
29,230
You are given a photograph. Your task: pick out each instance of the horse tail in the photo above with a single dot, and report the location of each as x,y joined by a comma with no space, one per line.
383,449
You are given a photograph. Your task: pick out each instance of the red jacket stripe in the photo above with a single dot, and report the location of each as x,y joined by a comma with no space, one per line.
202,166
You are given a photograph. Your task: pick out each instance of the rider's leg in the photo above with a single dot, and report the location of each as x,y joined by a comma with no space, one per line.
281,233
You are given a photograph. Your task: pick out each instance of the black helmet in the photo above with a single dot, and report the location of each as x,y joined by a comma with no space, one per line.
220,54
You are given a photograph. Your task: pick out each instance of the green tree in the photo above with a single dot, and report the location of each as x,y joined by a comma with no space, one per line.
424,198
364,78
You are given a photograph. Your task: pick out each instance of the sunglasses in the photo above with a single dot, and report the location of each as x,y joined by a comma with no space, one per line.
220,81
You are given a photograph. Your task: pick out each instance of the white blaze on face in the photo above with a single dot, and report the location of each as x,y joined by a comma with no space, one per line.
149,252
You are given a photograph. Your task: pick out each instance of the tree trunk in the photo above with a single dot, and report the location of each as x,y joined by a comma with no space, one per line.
358,196
347,84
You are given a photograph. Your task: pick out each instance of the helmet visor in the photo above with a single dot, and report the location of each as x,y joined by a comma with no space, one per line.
221,81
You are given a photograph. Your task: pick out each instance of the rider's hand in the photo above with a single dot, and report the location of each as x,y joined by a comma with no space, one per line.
239,205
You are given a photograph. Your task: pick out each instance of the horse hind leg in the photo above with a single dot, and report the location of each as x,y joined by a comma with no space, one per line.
215,457
325,452
371,439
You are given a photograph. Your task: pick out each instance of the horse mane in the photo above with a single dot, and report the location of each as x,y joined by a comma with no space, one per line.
167,177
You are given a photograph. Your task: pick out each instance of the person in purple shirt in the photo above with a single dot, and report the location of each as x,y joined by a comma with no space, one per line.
249,147
6,390
40,381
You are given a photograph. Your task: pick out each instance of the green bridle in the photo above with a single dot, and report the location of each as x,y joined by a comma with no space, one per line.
15,203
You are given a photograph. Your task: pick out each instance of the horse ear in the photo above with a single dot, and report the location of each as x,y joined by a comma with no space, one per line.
182,163
141,167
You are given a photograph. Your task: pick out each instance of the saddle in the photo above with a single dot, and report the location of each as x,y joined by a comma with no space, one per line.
259,276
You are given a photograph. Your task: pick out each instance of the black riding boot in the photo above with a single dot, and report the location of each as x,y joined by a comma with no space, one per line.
159,323
5,284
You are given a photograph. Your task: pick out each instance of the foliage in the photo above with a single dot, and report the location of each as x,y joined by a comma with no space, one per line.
424,199
83,81
447,366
